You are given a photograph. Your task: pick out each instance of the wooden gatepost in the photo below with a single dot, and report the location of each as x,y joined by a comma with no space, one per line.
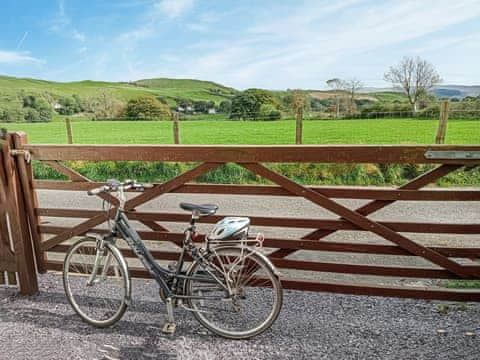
17,261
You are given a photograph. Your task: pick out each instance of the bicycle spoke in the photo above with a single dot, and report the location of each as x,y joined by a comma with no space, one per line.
97,293
246,308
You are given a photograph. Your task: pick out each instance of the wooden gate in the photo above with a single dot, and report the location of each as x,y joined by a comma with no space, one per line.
16,253
444,262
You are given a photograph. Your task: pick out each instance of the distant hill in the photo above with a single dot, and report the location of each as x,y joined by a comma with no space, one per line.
443,91
173,89
458,91
170,89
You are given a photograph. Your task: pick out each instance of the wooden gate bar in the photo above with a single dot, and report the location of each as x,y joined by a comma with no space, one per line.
401,154
417,183
30,200
170,185
363,221
17,228
386,291
376,205
338,192
329,224
130,204
77,177
177,238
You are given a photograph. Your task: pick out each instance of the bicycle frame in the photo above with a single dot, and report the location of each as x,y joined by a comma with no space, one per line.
123,229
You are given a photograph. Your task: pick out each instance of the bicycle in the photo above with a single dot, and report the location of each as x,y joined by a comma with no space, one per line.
231,288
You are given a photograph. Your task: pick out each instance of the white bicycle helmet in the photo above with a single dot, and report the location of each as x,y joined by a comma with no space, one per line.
230,228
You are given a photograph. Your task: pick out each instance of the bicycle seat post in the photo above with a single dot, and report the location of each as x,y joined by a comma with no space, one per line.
121,196
195,216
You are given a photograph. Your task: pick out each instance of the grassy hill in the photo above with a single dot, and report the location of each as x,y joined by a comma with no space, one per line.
11,87
186,88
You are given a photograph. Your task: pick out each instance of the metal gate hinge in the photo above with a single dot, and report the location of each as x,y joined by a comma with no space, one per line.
453,154
25,153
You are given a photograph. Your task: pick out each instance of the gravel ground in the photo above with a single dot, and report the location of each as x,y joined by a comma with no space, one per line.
311,326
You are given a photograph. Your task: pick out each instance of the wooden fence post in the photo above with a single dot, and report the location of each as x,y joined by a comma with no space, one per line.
176,135
30,200
442,122
68,125
299,126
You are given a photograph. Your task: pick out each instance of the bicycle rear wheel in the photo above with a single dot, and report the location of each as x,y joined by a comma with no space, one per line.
96,282
253,301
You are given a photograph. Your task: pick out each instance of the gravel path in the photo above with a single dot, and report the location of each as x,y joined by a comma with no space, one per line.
311,326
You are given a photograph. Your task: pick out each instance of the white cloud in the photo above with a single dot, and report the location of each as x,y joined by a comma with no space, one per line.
61,24
76,35
61,19
306,42
197,27
174,8
14,57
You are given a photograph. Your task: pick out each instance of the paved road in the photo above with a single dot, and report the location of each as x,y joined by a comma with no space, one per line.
451,212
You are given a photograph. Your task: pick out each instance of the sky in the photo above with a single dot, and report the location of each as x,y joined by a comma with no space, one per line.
266,44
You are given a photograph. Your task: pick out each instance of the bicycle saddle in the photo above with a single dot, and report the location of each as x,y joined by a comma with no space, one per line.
203,209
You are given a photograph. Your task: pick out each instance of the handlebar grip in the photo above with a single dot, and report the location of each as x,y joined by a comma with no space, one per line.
96,191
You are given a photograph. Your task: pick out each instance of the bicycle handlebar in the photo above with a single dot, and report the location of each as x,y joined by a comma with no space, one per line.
115,185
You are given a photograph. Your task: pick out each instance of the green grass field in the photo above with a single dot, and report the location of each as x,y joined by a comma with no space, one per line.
391,131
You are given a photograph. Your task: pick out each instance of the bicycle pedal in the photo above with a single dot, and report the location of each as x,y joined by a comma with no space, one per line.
169,328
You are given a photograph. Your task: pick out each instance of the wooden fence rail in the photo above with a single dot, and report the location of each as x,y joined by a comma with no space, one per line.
50,235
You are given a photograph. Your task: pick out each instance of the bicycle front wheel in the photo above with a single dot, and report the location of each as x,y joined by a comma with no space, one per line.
96,282
247,300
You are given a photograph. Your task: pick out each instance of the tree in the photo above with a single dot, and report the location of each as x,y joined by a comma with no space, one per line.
104,106
70,105
414,76
44,109
147,108
352,86
31,115
247,104
36,109
12,114
225,106
336,84
269,112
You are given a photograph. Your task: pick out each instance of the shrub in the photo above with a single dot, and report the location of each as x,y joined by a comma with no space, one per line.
225,106
32,115
44,109
12,115
269,112
147,108
70,105
247,104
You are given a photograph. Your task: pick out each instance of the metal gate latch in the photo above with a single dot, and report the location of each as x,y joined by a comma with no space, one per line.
446,154
25,153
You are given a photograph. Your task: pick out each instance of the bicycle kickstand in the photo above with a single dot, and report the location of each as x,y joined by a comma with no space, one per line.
169,327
